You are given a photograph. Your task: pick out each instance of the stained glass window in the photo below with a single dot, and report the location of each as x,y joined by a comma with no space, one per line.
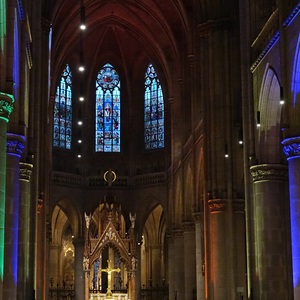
62,115
153,111
107,110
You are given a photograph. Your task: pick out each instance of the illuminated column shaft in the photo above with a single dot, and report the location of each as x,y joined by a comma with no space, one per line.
221,245
218,236
15,146
199,257
179,264
292,150
171,266
156,265
24,230
270,227
6,107
79,273
189,259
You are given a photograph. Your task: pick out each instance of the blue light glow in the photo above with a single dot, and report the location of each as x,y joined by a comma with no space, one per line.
296,74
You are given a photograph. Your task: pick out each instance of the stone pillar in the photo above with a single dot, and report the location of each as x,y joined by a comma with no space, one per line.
179,265
24,226
79,273
189,260
15,146
132,285
291,148
171,266
138,272
155,251
199,257
221,245
6,107
270,227
217,232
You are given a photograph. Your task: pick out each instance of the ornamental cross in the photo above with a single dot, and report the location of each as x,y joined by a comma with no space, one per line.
109,270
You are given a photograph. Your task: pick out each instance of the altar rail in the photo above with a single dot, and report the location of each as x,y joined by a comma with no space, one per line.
97,182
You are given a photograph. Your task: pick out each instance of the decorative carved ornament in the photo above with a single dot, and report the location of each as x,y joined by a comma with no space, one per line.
219,205
291,146
15,144
6,105
25,171
269,172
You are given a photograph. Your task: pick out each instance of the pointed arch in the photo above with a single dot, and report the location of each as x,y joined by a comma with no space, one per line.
108,110
62,113
270,111
296,74
153,111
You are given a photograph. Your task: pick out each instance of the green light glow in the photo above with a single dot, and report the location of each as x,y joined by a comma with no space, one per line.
6,108
2,23
3,129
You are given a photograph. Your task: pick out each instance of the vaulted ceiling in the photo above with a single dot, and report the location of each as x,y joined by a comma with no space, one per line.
124,32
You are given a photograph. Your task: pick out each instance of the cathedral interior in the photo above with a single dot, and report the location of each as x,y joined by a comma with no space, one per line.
149,149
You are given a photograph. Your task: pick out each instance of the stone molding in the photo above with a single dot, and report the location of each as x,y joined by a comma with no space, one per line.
198,216
25,171
188,226
221,205
269,172
15,144
291,146
212,26
6,105
217,205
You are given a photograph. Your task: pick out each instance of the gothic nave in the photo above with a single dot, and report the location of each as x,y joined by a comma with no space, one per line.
149,149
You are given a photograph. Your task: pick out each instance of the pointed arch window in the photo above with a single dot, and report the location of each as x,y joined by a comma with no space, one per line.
108,114
153,111
62,114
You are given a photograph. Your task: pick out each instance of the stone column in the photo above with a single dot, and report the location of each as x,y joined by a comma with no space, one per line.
217,232
24,227
155,251
79,273
179,265
221,245
270,227
291,148
132,285
15,146
138,272
199,257
171,266
6,107
189,260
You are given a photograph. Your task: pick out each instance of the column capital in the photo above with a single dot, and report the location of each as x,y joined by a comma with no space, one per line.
6,105
188,226
15,144
269,172
291,147
220,205
198,216
25,171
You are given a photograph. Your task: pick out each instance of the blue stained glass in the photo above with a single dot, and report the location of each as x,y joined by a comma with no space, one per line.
153,111
108,108
62,112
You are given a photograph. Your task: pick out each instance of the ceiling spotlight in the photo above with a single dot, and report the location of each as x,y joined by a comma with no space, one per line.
258,119
281,96
82,18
